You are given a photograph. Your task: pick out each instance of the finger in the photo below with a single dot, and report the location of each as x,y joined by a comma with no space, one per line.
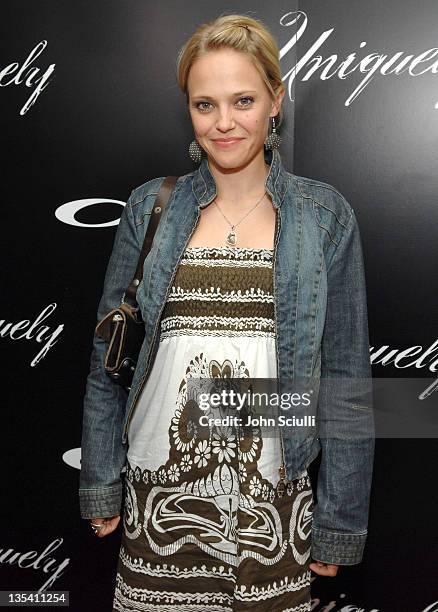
317,568
324,569
105,530
317,564
109,526
101,519
100,531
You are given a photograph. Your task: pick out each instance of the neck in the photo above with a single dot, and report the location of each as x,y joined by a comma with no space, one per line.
243,186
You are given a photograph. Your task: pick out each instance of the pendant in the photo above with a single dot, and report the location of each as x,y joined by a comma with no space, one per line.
231,238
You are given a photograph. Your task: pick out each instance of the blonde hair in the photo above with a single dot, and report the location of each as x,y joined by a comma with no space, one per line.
238,32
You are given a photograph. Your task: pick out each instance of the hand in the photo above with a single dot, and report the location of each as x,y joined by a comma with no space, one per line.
324,569
109,525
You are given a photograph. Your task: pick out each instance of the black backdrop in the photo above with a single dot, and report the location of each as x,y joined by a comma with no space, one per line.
108,117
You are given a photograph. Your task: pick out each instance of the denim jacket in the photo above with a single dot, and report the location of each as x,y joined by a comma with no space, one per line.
322,332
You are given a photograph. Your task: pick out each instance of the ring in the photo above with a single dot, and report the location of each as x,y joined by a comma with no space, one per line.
97,527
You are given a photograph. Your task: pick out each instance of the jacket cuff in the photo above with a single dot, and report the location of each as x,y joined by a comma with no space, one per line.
100,502
338,548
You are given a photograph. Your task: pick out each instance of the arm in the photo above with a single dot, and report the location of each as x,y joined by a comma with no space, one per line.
340,517
103,454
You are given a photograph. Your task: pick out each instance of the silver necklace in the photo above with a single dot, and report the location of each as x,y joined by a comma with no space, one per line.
231,239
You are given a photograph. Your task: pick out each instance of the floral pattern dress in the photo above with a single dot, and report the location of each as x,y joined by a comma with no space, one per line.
206,526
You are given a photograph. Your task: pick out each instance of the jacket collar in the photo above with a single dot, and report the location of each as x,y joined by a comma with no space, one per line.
204,185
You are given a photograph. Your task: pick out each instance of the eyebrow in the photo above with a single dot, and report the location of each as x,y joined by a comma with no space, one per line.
238,93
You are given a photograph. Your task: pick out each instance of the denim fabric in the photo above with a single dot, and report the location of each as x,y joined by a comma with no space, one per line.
322,333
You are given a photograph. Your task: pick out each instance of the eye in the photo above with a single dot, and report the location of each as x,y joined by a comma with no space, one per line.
199,106
249,100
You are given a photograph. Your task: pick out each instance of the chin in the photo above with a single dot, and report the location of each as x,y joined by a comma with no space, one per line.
229,164
229,161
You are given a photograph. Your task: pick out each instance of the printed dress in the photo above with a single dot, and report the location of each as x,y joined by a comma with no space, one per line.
205,527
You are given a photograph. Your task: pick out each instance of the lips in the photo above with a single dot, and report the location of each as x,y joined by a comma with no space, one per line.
227,142
221,140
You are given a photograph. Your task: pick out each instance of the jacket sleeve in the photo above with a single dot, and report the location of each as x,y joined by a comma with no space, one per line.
102,453
345,411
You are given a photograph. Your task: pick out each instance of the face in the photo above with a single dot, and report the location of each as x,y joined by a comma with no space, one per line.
228,101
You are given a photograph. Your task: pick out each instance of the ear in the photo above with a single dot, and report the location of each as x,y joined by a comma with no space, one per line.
276,104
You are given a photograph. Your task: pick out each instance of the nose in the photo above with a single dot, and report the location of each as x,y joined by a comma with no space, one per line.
225,119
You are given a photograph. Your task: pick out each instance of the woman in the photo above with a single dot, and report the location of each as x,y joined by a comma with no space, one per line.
254,273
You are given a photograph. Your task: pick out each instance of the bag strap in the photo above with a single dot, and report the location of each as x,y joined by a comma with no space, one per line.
161,200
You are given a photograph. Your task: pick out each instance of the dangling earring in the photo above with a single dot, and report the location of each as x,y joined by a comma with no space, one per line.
273,140
195,151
